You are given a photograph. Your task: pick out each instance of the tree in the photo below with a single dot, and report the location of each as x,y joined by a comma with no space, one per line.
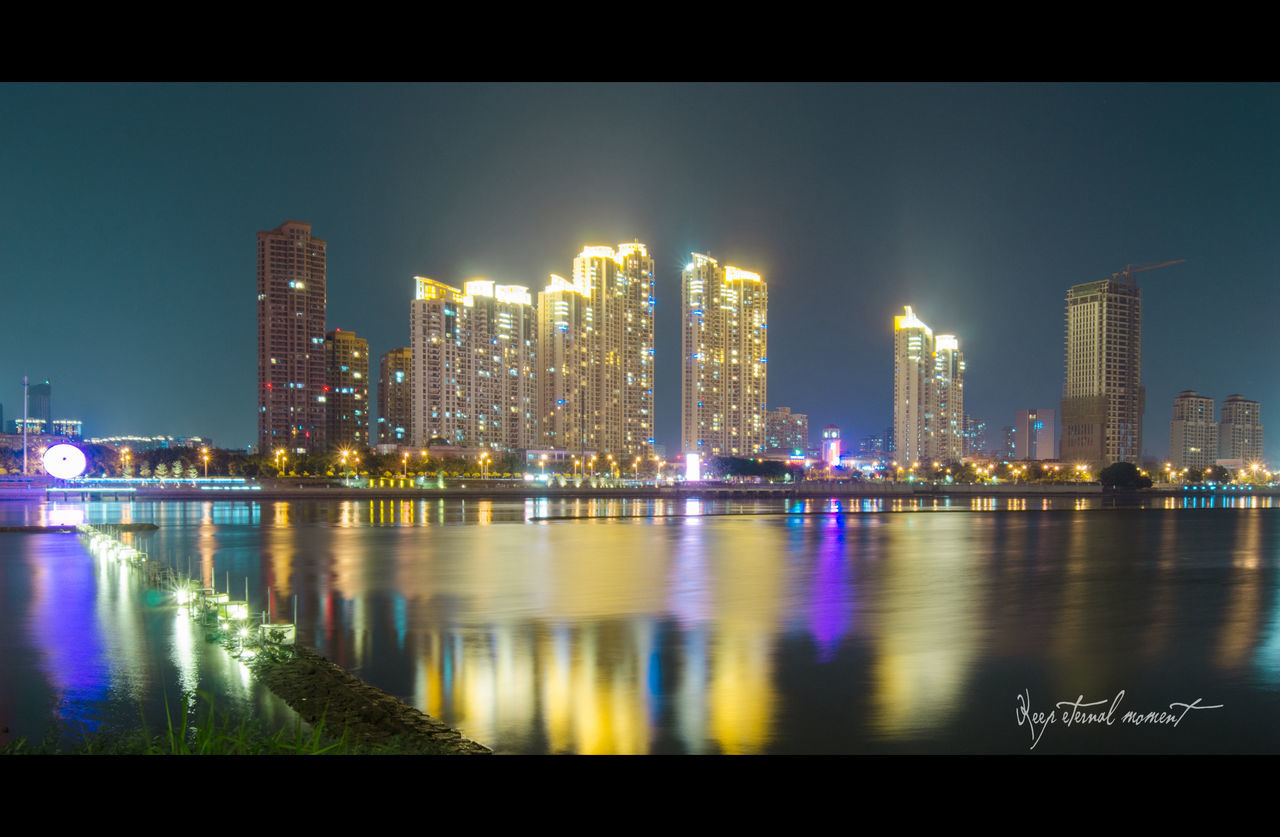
1217,474
1123,475
162,471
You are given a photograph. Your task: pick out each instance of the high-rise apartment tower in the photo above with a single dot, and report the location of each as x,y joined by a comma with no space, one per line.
291,360
1193,432
1103,399
1240,433
928,393
724,346
395,397
346,391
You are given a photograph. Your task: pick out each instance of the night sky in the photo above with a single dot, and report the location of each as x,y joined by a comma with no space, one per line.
129,212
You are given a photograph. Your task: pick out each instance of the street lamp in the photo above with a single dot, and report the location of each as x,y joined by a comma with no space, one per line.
484,465
543,464
405,466
204,454
280,459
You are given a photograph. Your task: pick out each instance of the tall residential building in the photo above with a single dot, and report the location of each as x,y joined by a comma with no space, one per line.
725,354
441,365
1240,433
395,397
564,358
1009,443
346,392
1103,398
787,431
948,406
597,353
975,435
291,357
636,268
1193,432
40,403
928,393
474,374
1034,435
502,327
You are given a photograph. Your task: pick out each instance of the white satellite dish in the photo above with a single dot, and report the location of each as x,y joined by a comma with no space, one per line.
66,462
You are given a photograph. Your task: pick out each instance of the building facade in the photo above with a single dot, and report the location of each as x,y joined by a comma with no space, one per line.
395,397
1240,433
474,371
596,350
948,406
1103,399
1193,432
724,343
975,436
636,268
291,330
346,391
1035,435
928,393
40,402
787,431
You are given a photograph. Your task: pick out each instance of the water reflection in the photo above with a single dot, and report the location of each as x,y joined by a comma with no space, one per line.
819,624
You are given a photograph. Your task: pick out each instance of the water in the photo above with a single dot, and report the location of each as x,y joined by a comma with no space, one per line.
577,626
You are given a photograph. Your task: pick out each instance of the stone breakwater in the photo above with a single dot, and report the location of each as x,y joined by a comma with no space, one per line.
319,690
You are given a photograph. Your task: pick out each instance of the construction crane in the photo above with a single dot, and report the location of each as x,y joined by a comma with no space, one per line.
1126,275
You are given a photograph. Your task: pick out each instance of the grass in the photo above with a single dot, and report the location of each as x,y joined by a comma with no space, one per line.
214,733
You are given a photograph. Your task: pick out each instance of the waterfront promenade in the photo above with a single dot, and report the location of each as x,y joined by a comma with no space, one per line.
304,489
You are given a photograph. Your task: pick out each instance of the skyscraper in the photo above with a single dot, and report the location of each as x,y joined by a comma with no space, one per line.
636,268
1240,434
395,397
41,404
346,392
787,431
291,318
441,364
474,364
1103,398
913,365
597,352
948,404
501,326
1193,433
1034,435
928,393
724,345
564,358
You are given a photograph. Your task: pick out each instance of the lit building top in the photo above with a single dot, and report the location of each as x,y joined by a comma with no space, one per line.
478,287
736,274
431,289
513,294
602,252
910,320
946,342
630,248
559,283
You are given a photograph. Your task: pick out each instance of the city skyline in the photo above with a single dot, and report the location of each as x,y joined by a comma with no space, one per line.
976,204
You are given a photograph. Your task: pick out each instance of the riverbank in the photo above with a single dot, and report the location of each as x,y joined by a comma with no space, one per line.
320,691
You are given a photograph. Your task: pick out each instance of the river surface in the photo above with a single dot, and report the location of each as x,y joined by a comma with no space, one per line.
649,626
